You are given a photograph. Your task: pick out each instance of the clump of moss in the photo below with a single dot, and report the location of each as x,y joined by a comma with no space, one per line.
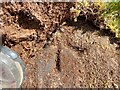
111,16
105,15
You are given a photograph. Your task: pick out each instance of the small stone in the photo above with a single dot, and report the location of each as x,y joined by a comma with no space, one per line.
1,12
115,85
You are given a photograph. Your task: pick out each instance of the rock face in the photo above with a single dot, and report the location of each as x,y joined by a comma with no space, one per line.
78,60
57,55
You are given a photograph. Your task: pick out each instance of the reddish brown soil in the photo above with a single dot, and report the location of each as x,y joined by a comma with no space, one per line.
57,54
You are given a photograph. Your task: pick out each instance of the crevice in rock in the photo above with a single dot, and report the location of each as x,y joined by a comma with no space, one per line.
58,61
49,36
28,21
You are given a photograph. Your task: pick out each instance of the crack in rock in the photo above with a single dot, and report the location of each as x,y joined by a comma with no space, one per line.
58,61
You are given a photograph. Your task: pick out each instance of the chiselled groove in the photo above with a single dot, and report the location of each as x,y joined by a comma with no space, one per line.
58,61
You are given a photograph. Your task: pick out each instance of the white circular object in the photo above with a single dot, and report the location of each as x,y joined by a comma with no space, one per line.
11,69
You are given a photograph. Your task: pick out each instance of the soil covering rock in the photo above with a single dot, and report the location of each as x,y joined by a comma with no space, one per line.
58,52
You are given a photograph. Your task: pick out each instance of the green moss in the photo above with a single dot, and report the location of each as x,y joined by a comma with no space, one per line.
108,11
111,15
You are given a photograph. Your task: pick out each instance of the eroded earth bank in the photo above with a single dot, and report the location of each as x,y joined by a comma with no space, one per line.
58,52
